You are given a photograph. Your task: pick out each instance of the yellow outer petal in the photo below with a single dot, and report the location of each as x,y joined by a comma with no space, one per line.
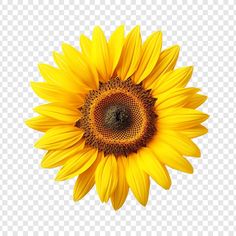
61,78
43,123
150,54
100,53
169,156
86,180
79,64
106,177
77,164
181,118
196,101
180,142
52,93
55,158
131,54
61,137
115,46
152,166
165,63
119,195
137,179
86,45
59,111
61,62
174,98
195,131
173,79
65,65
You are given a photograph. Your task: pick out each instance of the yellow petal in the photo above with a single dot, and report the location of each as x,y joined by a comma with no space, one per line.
169,156
115,46
150,54
60,60
79,64
196,101
86,45
106,177
165,63
119,195
195,131
180,142
131,54
61,137
181,118
137,179
173,79
174,98
152,166
61,78
64,65
59,111
55,158
77,164
43,123
100,53
86,180
52,93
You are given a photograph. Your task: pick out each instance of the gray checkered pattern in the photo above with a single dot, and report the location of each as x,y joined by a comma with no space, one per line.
30,200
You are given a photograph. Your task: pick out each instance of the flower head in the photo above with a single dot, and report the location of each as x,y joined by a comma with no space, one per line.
118,114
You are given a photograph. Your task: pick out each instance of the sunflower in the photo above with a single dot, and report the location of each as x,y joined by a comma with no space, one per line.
117,114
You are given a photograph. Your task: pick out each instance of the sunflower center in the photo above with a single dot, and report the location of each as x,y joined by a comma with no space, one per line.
118,118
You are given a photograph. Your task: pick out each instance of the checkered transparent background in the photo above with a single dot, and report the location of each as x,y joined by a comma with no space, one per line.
30,200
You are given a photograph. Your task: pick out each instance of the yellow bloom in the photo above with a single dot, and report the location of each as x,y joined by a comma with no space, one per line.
118,114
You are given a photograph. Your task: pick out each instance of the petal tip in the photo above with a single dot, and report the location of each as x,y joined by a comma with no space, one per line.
190,170
115,205
35,109
116,208
206,117
159,34
65,47
97,29
121,27
43,165
136,29
41,67
76,198
38,144
167,186
143,202
59,177
32,83
175,49
28,122
189,70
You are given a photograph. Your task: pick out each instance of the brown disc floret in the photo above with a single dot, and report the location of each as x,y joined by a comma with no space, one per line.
118,118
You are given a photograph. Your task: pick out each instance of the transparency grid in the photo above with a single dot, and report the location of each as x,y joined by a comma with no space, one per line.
31,202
